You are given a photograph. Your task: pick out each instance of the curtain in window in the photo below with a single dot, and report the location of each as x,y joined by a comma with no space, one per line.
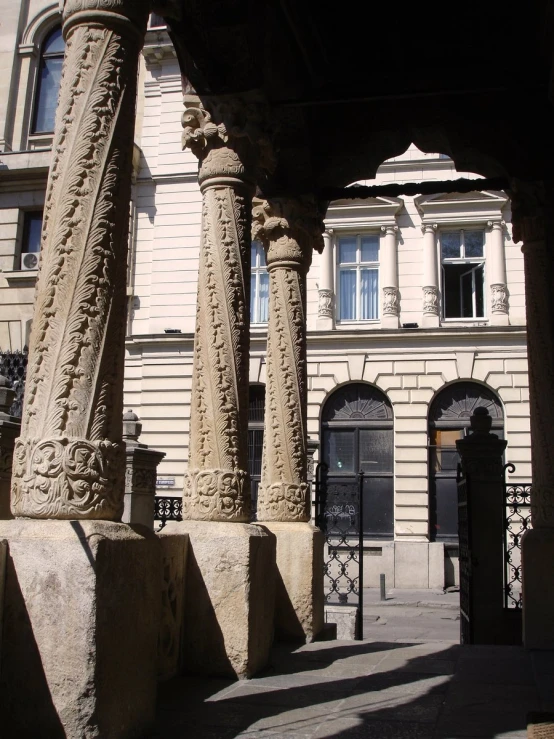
348,295
263,298
369,294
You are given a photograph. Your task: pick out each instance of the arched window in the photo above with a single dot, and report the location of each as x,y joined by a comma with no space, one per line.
48,82
357,435
256,410
449,416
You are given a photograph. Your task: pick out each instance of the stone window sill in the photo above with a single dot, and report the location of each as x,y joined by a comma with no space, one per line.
20,275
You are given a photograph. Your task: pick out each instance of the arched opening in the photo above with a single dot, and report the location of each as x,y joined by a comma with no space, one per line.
357,436
48,82
449,419
256,411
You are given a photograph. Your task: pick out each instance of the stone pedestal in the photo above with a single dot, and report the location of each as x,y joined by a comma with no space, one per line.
538,592
81,620
172,622
141,465
230,597
299,589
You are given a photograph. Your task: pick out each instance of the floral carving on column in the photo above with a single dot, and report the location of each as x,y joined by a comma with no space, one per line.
289,230
391,301
325,306
431,300
499,298
226,136
69,461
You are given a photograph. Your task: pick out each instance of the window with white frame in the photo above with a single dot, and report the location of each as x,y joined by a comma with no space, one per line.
30,240
358,277
463,273
48,82
259,285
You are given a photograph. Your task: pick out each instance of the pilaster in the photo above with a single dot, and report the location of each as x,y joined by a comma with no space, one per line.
497,275
326,291
389,278
431,295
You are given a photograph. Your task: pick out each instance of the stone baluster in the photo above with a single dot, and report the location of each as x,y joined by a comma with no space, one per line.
9,431
226,138
326,291
430,277
69,461
534,225
497,279
389,278
289,231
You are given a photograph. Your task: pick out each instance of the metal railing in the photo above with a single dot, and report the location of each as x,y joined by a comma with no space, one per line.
517,500
13,366
167,508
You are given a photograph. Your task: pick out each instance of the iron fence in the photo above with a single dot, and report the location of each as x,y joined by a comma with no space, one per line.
167,508
517,498
13,366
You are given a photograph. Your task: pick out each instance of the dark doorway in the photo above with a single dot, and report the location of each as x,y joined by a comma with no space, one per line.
256,411
449,416
357,436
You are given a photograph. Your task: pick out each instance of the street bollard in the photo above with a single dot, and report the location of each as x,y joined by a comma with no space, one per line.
383,589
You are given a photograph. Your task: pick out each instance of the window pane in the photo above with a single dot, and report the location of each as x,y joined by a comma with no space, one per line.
255,445
339,450
450,244
348,295
54,43
347,250
375,450
32,229
479,296
47,99
253,298
378,514
253,253
369,294
466,291
263,304
370,248
473,243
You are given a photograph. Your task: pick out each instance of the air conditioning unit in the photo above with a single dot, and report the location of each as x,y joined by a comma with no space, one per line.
29,260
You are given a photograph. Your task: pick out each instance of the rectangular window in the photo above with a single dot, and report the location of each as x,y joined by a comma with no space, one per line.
259,285
358,281
463,273
30,241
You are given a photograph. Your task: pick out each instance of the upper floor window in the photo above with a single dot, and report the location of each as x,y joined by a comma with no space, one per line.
30,241
48,82
259,285
358,282
463,273
156,21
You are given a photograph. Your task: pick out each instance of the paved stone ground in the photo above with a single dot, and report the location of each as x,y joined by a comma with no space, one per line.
408,679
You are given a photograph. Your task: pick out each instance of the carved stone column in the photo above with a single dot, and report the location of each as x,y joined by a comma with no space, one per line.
431,300
289,231
69,461
326,291
534,225
389,278
497,280
226,139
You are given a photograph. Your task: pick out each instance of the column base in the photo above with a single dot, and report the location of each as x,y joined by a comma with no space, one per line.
390,321
230,597
537,554
81,619
499,319
172,627
299,591
430,321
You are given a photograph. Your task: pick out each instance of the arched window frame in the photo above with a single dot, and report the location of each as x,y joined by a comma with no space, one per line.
29,52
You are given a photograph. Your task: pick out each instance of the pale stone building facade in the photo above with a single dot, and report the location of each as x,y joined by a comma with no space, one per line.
395,314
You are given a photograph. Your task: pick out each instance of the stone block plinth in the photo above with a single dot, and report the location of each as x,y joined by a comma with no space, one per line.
346,619
537,553
174,567
299,588
81,623
140,484
230,597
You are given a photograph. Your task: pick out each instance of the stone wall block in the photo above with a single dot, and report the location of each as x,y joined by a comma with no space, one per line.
81,622
172,621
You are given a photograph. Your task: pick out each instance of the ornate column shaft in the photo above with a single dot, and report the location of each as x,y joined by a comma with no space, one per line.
69,461
225,137
499,289
289,230
389,278
430,276
326,307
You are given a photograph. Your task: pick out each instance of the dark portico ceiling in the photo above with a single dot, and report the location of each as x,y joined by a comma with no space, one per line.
352,84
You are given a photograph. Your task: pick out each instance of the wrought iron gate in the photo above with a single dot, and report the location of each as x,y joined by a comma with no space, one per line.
517,497
464,537
339,514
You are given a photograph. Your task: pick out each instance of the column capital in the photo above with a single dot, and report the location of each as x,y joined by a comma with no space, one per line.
289,228
429,228
496,224
229,136
389,229
132,14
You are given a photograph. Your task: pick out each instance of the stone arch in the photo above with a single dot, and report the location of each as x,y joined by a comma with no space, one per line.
39,27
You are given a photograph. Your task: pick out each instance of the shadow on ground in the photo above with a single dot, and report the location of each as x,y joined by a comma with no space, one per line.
350,690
